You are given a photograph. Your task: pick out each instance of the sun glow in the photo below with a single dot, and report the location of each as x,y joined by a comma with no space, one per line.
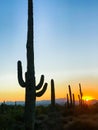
87,98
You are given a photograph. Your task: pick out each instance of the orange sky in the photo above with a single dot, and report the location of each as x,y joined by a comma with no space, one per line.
89,88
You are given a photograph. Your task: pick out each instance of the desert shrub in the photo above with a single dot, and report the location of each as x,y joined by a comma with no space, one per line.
41,110
82,124
10,117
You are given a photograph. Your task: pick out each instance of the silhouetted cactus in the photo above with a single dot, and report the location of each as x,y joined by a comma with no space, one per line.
30,84
81,94
3,107
70,95
52,94
79,99
67,102
73,100
15,103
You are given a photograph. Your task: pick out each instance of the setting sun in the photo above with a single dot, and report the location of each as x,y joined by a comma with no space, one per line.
87,98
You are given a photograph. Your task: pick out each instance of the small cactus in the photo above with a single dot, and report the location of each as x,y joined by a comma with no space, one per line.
73,100
81,94
67,102
70,95
52,94
79,99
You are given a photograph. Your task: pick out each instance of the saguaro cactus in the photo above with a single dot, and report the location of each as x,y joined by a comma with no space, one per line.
30,84
52,94
70,94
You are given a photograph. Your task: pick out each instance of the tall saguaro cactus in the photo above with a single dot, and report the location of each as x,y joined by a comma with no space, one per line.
30,84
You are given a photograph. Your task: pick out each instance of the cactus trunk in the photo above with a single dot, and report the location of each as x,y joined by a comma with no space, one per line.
30,74
29,84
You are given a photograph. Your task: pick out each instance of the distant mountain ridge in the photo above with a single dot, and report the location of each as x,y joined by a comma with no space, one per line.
60,101
41,102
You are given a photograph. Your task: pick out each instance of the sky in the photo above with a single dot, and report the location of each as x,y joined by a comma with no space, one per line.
65,46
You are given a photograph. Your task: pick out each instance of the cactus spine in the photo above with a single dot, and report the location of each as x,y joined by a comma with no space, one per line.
70,95
30,84
52,94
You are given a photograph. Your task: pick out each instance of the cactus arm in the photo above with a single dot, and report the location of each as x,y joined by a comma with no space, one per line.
20,78
40,83
40,93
